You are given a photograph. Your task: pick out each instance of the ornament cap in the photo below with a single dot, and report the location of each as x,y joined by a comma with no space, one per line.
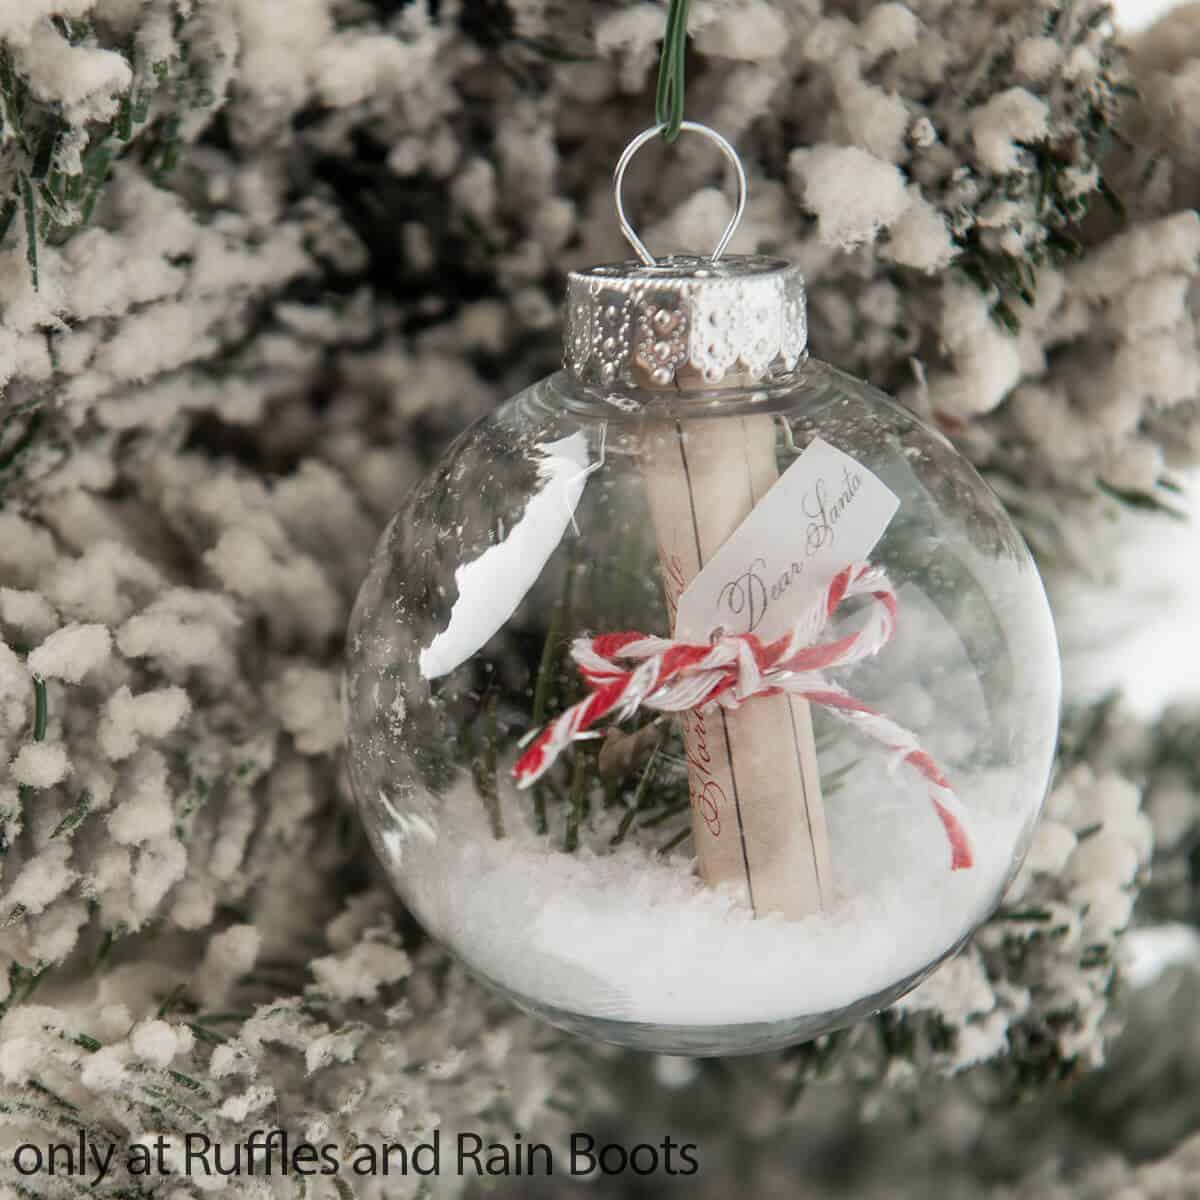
685,321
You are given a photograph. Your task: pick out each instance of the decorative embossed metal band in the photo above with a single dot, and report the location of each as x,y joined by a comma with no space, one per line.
629,324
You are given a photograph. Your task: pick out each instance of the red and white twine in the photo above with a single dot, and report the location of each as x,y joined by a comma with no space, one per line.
674,676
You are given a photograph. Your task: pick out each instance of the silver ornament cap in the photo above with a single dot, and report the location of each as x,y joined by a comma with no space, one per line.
737,319
684,320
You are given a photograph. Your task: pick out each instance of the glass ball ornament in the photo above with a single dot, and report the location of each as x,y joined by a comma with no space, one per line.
600,897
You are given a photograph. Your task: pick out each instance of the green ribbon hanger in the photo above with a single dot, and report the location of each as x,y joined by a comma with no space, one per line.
668,100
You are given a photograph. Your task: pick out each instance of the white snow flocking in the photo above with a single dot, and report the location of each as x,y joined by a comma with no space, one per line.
491,586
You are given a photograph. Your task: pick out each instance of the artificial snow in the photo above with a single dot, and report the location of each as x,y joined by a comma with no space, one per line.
87,81
238,1108
961,986
14,679
160,865
158,1041
491,587
42,879
27,550
309,708
71,652
987,359
360,972
1105,910
128,718
632,936
40,764
146,811
29,612
20,1057
1052,845
1036,57
920,237
1104,855
853,193
56,932
1149,951
1154,303
875,119
1014,116
183,628
230,955
753,31
888,28
105,1070
100,586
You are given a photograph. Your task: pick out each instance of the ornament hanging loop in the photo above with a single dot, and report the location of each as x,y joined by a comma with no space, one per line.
635,145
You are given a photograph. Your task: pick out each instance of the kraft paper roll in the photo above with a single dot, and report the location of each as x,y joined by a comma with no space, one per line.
758,820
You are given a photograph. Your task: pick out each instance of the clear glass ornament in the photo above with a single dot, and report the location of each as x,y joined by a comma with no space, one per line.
600,897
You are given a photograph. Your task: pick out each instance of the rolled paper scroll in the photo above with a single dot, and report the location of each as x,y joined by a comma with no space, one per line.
758,820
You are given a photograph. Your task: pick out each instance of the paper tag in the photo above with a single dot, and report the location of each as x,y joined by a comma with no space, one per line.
824,511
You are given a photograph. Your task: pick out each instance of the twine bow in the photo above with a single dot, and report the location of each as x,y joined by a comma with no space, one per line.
675,676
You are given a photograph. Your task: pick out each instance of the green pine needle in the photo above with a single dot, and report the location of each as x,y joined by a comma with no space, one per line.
31,234
638,799
578,794
40,709
74,817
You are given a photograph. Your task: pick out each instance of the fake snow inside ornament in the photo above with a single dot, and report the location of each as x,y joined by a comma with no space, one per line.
701,699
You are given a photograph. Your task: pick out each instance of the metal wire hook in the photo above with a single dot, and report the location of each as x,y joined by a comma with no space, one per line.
619,177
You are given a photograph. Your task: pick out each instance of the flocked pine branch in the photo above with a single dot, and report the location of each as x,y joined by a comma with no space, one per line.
282,254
